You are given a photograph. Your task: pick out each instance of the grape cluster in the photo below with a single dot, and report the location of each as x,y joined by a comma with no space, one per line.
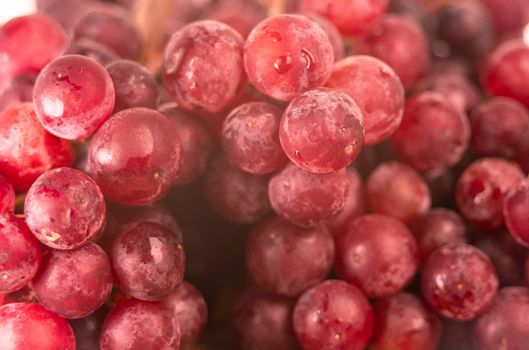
265,174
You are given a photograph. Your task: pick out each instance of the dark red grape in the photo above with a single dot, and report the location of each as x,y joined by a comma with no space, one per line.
285,259
17,90
403,322
148,261
400,42
135,156
27,150
352,17
508,19
74,95
505,325
516,212
307,199
190,310
459,281
397,190
521,155
74,283
19,254
437,228
287,55
31,326
433,133
322,130
236,195
333,315
241,15
377,90
498,125
195,141
264,321
7,195
92,49
203,67
110,30
506,72
136,324
378,254
481,190
134,85
332,32
65,208
87,330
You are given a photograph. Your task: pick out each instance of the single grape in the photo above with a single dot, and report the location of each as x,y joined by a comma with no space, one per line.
396,190
190,310
113,31
332,32
378,254
506,72
148,261
264,321
286,55
74,283
250,138
73,95
285,259
203,67
481,190
307,199
234,194
377,90
65,208
401,42
136,324
134,85
92,49
31,326
403,322
135,156
20,254
7,195
459,281
508,19
17,90
433,133
195,140
504,324
352,17
333,315
27,150
516,210
498,125
437,228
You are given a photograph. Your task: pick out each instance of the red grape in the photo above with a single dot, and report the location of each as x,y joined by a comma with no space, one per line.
30,326
136,324
92,49
110,30
352,17
498,125
403,322
401,43
190,310
287,55
135,156
377,90
134,85
19,254
7,195
27,150
241,15
333,315
516,212
505,325
459,281
74,283
65,208
18,90
250,138
378,254
285,259
332,32
437,228
481,190
397,190
74,95
433,133
307,199
322,130
508,19
506,72
203,67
